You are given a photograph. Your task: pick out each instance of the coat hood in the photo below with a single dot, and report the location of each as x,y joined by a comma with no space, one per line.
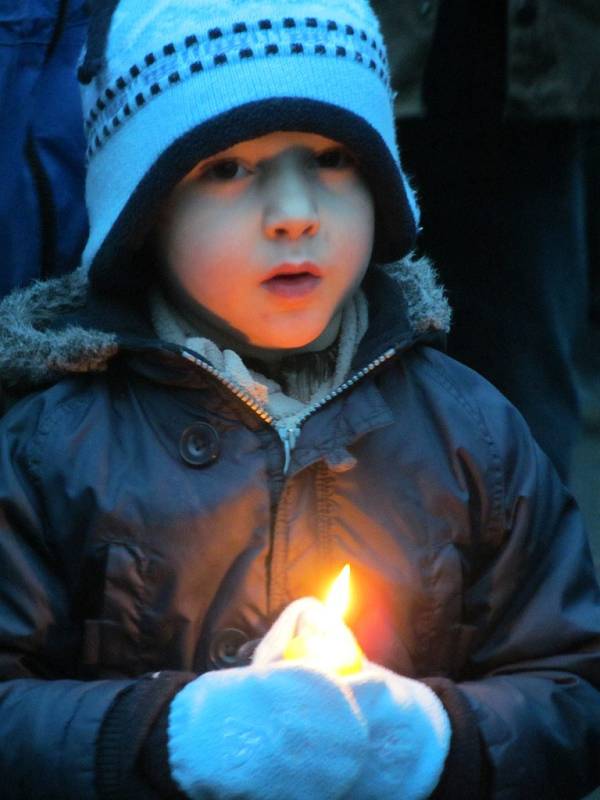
53,329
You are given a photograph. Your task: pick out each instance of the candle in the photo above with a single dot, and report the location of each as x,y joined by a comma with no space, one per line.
324,638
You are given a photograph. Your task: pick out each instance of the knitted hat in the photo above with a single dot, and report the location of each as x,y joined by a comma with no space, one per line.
167,83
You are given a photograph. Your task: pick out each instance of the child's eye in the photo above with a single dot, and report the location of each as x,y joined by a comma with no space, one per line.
226,170
335,158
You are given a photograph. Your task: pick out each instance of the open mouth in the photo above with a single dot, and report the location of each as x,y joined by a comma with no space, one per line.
293,280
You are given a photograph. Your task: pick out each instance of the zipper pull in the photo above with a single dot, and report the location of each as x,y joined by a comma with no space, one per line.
289,437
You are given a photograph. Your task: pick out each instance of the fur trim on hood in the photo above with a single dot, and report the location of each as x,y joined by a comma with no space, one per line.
35,350
32,353
427,305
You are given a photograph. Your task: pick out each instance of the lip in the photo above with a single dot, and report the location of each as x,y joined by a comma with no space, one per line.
291,268
293,281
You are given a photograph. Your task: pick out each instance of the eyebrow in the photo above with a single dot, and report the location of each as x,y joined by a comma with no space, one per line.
301,149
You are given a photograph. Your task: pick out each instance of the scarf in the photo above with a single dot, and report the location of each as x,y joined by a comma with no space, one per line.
297,383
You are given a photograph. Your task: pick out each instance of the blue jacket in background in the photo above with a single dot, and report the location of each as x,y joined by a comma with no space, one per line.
43,222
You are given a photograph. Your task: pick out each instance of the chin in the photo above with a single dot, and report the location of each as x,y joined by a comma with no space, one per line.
285,343
289,339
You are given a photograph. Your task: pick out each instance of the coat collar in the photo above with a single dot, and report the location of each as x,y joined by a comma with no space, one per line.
59,327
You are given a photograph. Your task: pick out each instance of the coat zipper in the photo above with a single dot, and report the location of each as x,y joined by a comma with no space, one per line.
288,436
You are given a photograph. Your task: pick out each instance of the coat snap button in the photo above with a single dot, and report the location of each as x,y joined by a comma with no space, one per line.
225,646
199,444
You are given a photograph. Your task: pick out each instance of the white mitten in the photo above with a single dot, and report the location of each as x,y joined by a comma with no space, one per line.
275,730
307,615
409,735
409,730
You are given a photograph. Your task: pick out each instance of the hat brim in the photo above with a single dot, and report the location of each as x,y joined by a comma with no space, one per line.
114,269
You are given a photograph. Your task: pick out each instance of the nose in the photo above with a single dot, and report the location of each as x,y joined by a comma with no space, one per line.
291,210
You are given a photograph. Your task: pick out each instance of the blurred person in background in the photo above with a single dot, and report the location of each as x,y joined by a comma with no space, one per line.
498,106
43,223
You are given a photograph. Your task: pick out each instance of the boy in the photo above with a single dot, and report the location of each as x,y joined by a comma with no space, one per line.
258,406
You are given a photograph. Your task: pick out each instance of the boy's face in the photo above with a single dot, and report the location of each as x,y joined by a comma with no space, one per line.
271,237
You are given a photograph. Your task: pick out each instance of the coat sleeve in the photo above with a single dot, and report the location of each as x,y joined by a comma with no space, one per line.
532,606
49,722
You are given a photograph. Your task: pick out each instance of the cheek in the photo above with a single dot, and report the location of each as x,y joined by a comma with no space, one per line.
196,246
205,256
356,226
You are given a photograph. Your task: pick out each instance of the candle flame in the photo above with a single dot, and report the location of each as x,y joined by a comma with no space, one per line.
326,639
338,598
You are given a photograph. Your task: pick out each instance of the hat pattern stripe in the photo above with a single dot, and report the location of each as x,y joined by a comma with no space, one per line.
196,53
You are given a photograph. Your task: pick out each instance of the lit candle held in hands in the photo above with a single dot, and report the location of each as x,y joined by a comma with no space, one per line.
324,638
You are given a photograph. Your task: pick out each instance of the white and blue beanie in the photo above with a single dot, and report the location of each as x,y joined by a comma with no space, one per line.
167,83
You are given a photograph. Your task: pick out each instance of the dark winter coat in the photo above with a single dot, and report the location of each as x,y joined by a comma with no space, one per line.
148,529
549,51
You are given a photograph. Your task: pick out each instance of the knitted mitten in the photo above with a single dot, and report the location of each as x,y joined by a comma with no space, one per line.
298,617
409,735
409,729
268,732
